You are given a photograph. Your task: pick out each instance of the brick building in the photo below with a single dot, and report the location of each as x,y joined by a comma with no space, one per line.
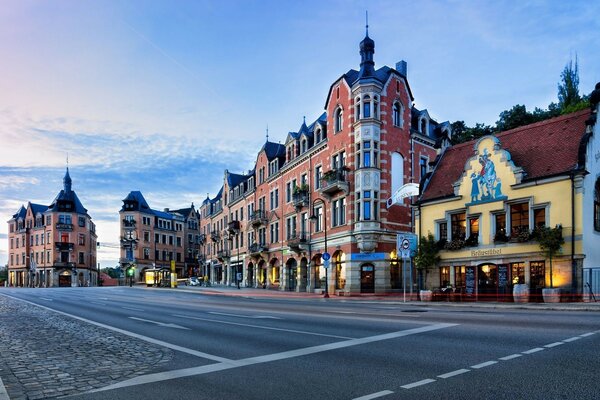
324,191
152,238
53,245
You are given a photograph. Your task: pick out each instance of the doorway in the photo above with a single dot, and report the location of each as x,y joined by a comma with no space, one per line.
367,278
292,274
487,282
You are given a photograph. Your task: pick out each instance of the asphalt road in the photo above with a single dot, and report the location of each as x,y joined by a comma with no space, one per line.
228,347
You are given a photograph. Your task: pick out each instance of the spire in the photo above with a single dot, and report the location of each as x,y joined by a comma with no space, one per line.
67,181
367,49
267,132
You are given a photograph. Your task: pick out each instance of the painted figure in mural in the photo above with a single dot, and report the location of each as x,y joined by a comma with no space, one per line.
498,192
475,187
488,175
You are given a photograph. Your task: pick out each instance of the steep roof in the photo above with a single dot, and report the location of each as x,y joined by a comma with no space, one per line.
68,196
544,149
38,208
21,213
273,150
138,197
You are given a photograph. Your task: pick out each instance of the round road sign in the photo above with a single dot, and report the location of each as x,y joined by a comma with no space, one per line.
405,244
326,256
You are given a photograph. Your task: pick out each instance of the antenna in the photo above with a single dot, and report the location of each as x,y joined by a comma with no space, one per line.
367,19
267,132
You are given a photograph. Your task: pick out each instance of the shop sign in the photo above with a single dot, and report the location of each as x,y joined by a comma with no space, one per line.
366,256
408,190
485,253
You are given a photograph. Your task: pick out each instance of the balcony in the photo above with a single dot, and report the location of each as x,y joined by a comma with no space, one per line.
297,240
201,238
64,246
300,197
62,264
256,248
64,227
334,181
223,254
258,218
129,223
215,236
233,227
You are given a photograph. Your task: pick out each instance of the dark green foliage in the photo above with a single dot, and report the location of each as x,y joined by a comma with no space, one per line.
427,252
568,88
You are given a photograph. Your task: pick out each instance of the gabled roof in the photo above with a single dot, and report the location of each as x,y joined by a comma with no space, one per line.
137,196
273,150
21,213
234,180
38,208
68,196
544,149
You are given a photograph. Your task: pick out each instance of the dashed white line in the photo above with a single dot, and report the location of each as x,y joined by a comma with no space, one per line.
47,299
374,395
484,364
133,309
551,345
587,334
574,338
531,351
244,316
419,383
453,373
511,357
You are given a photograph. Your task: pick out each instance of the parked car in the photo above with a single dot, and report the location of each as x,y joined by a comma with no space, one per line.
193,281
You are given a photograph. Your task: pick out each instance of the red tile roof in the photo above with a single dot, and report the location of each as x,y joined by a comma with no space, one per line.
543,149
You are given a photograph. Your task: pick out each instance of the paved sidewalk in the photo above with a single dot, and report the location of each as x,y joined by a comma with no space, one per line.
222,290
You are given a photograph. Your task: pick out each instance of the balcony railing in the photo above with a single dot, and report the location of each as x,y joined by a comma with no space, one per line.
62,264
201,238
300,198
129,223
334,181
297,239
64,246
258,217
215,236
223,254
257,248
233,227
64,227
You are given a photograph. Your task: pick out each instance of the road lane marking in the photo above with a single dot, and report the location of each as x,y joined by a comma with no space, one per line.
453,373
244,316
98,302
160,323
133,309
419,383
574,338
531,351
374,395
47,299
484,364
551,345
262,327
182,373
512,356
345,312
587,334
135,335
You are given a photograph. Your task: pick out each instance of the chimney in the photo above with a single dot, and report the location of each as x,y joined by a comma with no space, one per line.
401,67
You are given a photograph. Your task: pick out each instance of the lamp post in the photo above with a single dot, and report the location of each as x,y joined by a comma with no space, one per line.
315,219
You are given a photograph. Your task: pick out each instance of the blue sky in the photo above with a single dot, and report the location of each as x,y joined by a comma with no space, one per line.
162,96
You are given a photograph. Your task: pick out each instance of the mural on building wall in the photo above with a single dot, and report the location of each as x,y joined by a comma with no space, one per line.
485,185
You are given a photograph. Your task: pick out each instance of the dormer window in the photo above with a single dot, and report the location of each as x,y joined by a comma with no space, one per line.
303,145
424,125
338,119
318,136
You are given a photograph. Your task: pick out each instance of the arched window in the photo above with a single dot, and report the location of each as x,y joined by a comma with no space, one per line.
397,114
397,171
423,126
303,146
366,107
375,107
318,136
357,108
597,206
338,119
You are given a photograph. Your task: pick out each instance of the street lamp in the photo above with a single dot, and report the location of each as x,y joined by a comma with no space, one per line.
315,219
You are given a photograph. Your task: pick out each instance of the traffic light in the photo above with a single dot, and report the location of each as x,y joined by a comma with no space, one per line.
130,271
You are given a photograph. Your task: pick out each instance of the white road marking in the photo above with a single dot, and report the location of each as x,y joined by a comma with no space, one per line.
374,395
574,338
47,299
261,327
345,312
419,383
163,376
133,309
137,336
160,323
551,345
484,364
453,373
244,316
531,351
587,334
512,356
98,302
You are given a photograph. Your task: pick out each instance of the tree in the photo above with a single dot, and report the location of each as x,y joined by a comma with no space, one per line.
551,241
513,118
427,255
568,88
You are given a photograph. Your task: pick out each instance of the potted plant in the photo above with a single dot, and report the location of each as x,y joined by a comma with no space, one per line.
427,256
551,241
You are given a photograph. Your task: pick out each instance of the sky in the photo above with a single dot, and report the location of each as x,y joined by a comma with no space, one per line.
163,96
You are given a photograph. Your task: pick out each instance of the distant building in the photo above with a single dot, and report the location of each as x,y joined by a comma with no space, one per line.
486,200
53,245
325,190
152,238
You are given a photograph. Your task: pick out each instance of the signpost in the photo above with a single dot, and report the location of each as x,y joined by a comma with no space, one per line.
406,246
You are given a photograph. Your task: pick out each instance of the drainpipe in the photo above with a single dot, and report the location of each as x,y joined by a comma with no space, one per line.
573,269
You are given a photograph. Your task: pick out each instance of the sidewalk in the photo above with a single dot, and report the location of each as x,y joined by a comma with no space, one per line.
395,298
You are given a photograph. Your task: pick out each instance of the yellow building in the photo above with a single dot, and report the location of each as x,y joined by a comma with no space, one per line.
486,201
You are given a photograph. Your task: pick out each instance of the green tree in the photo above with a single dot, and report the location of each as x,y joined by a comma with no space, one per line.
513,118
427,255
568,88
551,241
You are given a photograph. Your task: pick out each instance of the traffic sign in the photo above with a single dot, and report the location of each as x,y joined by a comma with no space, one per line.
405,245
326,263
326,256
405,254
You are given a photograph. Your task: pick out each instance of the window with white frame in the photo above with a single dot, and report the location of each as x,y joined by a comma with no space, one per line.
397,112
338,119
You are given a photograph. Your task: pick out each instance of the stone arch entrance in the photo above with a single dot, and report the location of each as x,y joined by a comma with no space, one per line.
338,267
318,272
274,273
64,278
487,282
262,273
250,274
367,278
303,275
292,274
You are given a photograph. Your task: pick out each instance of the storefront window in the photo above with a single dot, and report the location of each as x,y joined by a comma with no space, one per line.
444,276
459,276
517,272
537,272
459,226
519,218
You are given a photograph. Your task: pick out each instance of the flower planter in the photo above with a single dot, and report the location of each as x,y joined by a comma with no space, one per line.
551,295
426,295
521,293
